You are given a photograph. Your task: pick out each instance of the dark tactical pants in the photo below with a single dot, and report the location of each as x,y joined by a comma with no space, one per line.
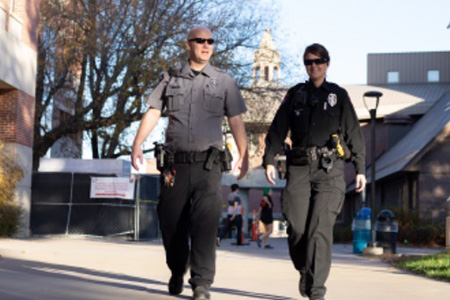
189,214
311,202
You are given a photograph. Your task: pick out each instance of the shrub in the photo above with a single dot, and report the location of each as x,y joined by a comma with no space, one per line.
10,214
415,231
10,175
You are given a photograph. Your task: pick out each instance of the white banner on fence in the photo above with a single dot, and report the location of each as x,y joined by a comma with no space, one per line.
112,187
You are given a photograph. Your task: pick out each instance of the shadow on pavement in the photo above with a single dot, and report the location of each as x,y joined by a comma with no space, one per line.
23,279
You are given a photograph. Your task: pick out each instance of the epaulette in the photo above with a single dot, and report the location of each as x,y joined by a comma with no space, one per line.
173,71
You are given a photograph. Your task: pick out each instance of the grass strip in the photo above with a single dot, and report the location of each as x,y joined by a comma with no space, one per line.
434,266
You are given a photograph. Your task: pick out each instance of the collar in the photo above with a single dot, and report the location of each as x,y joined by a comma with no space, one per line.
325,85
186,71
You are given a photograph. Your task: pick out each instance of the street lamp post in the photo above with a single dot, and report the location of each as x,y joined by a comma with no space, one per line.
372,107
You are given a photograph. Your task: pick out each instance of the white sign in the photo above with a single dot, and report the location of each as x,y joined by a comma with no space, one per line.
112,187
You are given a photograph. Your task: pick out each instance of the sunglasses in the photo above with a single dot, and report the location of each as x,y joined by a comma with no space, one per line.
317,61
202,41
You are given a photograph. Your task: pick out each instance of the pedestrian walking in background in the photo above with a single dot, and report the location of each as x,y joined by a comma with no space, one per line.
265,213
234,216
196,96
324,132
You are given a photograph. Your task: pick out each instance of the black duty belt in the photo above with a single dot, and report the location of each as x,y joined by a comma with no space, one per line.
187,157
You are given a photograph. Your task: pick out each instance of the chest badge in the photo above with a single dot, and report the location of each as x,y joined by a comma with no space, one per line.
332,99
214,82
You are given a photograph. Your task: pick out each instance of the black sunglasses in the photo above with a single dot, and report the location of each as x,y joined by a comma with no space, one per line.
317,61
202,41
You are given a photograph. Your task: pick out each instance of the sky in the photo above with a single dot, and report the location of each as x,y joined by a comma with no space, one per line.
350,29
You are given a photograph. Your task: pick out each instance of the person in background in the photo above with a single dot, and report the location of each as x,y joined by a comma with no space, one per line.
234,217
325,131
265,213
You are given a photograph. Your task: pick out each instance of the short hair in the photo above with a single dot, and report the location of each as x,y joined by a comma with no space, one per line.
317,49
234,187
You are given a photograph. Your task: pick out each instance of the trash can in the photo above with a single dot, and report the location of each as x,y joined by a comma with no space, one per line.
361,227
386,229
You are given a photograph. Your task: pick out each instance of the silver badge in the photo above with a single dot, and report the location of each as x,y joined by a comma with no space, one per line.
332,99
214,82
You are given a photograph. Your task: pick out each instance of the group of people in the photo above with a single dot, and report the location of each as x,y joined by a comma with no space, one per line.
320,120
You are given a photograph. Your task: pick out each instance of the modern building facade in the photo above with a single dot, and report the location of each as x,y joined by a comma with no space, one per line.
413,166
18,65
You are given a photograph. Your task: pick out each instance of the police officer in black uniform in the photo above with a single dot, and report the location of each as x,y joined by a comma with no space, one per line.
324,131
196,96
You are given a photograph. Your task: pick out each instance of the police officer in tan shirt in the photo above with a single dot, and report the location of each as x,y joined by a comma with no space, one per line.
197,97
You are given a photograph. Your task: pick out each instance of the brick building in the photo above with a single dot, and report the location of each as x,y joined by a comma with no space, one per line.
18,46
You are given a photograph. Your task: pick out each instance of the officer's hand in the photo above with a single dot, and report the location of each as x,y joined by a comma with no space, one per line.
242,165
136,154
270,174
360,182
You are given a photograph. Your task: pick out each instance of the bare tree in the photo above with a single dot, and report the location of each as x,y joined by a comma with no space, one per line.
101,57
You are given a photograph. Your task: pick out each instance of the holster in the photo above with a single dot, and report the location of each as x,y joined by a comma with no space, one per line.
226,159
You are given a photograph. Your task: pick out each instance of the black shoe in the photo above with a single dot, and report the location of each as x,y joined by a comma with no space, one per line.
258,241
302,284
317,298
268,247
201,293
176,284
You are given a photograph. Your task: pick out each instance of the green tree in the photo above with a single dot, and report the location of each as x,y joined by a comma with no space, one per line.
101,57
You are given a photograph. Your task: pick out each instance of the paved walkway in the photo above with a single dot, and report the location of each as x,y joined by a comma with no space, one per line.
79,268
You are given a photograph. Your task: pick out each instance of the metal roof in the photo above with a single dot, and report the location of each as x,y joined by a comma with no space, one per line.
415,142
409,99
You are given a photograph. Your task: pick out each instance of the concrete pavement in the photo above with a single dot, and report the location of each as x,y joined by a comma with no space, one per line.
85,268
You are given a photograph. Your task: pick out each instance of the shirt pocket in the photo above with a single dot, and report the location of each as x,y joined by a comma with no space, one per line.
333,118
213,101
175,98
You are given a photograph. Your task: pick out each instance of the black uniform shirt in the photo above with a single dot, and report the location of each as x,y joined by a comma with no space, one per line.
313,115
196,104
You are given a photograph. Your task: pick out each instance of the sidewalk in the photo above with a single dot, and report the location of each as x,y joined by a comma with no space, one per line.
69,268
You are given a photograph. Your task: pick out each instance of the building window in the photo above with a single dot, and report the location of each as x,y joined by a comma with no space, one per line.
392,77
433,76
257,74
275,74
266,73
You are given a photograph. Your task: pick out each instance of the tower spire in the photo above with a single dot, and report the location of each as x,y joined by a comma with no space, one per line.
266,63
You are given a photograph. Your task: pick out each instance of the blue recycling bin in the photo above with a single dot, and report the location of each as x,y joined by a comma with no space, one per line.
361,227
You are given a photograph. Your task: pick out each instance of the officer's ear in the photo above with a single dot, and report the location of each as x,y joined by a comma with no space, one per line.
188,46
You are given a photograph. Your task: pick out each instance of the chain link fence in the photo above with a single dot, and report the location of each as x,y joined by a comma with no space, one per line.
61,204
